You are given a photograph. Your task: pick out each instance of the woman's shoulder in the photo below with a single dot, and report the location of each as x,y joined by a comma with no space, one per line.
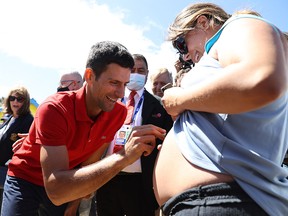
28,117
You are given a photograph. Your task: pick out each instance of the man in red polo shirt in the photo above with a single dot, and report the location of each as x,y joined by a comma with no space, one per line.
59,161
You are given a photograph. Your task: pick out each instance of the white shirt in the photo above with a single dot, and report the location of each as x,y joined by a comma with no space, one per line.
136,166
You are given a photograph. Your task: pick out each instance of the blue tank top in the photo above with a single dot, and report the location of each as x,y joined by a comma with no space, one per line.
249,146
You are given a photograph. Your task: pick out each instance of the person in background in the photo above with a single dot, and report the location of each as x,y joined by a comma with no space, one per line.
130,192
4,118
178,65
179,76
70,81
224,153
160,78
181,64
19,120
60,160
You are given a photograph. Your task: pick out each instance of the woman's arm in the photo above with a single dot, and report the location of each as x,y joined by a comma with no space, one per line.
254,61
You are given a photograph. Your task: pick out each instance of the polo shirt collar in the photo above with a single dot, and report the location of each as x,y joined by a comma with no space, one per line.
128,91
80,105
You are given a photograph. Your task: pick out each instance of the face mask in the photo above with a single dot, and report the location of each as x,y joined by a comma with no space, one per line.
137,81
60,89
65,88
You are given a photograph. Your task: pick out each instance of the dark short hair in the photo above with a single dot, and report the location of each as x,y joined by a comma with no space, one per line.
107,52
140,57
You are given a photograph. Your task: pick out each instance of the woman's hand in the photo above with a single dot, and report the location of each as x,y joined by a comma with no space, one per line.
142,141
171,101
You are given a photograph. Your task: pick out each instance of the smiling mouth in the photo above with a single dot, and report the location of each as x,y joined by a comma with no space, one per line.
111,99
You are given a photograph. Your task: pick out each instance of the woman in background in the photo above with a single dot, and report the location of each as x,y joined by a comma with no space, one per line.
17,106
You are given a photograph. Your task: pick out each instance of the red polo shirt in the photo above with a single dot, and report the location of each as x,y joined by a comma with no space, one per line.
62,120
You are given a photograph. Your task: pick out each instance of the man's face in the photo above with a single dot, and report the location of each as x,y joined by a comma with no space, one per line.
16,102
103,93
140,67
158,83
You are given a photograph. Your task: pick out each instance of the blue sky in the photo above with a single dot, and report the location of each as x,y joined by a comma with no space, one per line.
40,39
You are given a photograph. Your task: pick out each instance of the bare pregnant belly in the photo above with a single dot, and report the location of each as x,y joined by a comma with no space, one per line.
173,174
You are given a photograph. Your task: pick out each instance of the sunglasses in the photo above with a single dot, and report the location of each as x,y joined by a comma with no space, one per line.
63,82
13,98
180,45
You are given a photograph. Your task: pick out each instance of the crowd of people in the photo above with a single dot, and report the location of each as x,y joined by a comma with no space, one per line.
210,140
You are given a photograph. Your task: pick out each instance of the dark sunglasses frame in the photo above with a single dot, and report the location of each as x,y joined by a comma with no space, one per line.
19,99
180,45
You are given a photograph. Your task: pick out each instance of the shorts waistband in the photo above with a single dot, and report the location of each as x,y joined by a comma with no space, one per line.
206,191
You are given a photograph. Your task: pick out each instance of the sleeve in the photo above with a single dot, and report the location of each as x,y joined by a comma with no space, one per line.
51,125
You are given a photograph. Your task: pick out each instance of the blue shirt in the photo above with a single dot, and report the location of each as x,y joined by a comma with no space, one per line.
249,146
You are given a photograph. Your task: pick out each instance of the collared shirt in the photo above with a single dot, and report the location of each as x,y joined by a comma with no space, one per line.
137,97
62,120
136,166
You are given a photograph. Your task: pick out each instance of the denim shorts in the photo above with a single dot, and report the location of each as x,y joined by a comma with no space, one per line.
3,173
24,198
220,199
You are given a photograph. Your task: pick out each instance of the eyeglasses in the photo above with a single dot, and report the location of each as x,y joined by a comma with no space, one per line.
19,99
180,45
63,82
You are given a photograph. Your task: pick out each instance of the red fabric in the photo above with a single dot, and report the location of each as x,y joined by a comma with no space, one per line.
117,148
62,120
130,107
130,111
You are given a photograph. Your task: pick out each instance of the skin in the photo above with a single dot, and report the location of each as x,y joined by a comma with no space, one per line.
255,64
63,185
251,78
158,83
178,65
122,134
140,68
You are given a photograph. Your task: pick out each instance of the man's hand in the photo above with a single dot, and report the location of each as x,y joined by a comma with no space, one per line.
142,141
59,180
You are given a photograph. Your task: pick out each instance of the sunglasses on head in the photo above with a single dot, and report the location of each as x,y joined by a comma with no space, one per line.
180,45
13,98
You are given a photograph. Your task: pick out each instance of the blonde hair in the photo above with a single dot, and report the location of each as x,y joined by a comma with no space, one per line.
286,35
247,11
186,20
